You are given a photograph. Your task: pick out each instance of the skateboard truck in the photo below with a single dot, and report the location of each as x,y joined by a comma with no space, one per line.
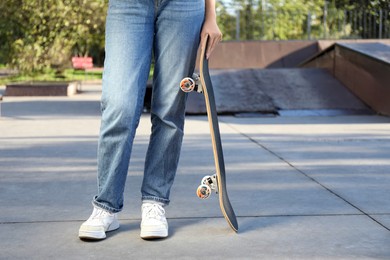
190,84
208,184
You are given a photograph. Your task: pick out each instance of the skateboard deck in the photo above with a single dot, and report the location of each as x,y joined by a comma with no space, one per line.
216,182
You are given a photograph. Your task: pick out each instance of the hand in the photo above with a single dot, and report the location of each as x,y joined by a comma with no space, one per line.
210,28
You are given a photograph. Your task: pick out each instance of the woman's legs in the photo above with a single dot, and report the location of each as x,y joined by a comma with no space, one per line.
135,28
129,43
171,29
177,35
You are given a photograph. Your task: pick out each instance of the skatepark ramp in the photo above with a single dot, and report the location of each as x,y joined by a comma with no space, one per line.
346,78
364,68
277,91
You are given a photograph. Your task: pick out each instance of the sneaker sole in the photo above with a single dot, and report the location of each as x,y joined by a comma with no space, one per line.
96,234
90,235
153,232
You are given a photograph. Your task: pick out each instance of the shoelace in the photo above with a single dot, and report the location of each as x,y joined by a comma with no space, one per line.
100,214
153,211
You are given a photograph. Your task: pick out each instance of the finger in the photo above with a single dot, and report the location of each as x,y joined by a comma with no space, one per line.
210,49
213,41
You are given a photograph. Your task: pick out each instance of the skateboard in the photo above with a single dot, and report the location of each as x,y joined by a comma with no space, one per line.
215,183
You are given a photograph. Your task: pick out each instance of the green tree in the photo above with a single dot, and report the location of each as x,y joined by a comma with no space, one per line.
362,4
226,21
303,19
275,19
39,34
359,19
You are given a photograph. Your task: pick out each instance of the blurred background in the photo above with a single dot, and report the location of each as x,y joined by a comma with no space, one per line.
38,38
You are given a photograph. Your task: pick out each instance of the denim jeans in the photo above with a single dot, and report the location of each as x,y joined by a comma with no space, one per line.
136,31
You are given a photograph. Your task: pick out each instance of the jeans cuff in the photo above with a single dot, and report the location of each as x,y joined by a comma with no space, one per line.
105,207
160,200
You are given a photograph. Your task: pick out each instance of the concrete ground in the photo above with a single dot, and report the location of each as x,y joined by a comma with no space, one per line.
302,187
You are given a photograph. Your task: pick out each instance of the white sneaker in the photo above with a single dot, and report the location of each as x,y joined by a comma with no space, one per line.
154,224
98,224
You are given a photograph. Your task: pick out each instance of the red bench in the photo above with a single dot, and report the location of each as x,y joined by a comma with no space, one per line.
82,63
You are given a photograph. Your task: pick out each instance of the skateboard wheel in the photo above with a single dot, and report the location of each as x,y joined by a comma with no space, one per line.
203,191
187,84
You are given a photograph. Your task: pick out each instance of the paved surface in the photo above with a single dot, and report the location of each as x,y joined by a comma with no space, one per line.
302,187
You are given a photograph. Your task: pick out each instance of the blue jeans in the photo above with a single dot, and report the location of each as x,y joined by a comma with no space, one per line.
136,30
